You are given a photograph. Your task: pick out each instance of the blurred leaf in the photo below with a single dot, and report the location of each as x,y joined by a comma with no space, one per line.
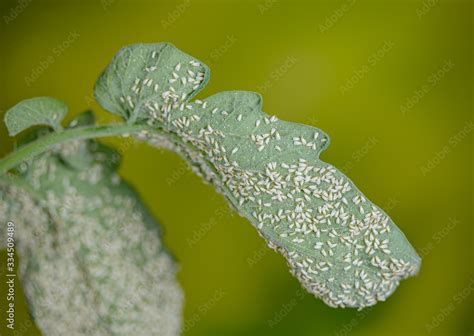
341,247
92,260
35,111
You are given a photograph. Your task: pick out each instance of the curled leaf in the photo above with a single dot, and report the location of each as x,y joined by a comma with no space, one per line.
33,112
342,247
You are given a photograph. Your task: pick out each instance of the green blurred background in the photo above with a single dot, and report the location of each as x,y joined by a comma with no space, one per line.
389,81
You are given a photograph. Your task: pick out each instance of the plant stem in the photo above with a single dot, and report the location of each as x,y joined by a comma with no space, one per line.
39,146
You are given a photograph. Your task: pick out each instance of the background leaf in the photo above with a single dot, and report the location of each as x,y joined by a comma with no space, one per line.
92,260
35,111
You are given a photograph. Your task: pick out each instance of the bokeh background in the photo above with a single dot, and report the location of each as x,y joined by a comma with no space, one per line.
389,81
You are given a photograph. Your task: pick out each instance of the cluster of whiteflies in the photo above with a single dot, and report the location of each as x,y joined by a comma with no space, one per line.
92,262
342,247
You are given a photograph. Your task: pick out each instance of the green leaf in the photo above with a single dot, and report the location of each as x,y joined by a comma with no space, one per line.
35,111
139,73
342,247
92,259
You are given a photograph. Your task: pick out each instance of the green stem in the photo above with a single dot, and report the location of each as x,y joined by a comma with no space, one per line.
30,150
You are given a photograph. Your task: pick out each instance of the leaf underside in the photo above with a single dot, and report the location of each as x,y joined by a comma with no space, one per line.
92,260
33,112
341,247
